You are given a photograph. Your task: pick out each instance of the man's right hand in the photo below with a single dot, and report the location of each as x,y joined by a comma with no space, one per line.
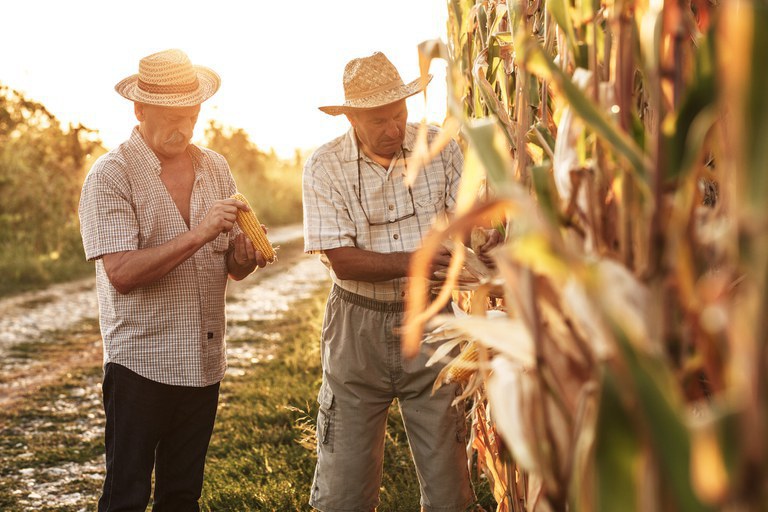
220,218
440,262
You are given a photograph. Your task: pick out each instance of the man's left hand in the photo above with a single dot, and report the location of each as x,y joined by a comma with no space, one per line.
493,238
245,257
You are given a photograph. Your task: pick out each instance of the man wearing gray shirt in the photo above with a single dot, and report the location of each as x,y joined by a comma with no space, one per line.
366,222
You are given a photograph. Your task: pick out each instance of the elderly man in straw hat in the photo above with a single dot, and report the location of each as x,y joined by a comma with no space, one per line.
366,222
156,218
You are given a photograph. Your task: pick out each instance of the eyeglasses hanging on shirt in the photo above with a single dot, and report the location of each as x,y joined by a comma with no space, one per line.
358,191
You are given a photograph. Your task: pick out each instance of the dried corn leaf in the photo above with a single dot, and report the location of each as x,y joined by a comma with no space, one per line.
509,395
567,157
472,263
586,319
502,334
625,302
489,458
441,352
536,252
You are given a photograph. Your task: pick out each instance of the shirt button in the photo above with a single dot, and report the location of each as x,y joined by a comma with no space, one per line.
391,207
395,236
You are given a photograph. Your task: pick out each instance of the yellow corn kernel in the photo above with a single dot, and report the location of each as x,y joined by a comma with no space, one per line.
463,366
251,226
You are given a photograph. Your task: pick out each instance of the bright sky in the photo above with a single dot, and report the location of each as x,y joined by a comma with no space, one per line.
278,60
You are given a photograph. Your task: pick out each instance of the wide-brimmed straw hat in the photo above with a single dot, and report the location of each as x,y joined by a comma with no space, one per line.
169,79
371,82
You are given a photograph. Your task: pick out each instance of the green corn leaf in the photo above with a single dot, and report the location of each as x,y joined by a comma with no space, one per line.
494,61
537,62
484,135
756,111
667,433
491,99
617,452
541,136
560,10
545,191
482,24
696,113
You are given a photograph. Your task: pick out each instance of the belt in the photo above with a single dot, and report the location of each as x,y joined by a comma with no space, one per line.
367,302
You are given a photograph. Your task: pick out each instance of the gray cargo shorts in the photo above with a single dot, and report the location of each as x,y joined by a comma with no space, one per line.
363,372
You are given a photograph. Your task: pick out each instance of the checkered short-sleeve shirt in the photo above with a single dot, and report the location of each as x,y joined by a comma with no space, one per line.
171,331
337,214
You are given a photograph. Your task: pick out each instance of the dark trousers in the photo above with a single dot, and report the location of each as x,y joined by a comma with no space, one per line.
152,424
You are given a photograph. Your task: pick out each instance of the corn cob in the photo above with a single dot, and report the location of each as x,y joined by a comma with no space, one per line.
251,226
463,366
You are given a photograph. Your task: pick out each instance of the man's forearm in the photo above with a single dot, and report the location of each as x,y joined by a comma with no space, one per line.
129,270
361,265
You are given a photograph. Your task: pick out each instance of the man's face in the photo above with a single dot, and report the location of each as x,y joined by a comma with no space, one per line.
166,130
381,131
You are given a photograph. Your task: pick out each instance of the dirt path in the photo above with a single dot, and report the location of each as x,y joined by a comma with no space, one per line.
26,316
51,337
35,322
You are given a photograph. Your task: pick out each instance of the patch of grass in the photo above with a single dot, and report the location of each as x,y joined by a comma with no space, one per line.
256,461
61,424
57,344
48,355
25,271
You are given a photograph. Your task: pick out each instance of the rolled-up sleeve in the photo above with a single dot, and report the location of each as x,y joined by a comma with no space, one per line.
327,222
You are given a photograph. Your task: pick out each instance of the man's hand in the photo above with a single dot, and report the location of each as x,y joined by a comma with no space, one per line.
492,239
440,262
220,218
245,255
244,259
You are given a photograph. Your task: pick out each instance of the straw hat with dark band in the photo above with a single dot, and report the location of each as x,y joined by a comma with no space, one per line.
372,82
169,79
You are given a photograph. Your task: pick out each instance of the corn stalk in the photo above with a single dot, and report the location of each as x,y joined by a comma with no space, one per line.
621,147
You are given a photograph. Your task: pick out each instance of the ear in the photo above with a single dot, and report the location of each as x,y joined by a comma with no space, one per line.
138,111
351,118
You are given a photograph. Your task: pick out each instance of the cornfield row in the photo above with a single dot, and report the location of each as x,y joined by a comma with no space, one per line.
616,354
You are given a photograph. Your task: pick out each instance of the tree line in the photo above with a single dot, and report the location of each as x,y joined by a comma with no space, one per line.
42,167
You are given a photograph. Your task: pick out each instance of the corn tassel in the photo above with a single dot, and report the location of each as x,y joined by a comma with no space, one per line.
251,226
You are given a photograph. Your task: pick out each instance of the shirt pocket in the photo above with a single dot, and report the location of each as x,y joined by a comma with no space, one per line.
428,201
220,243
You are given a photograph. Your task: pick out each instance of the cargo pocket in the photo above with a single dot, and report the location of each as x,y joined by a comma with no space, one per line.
325,419
461,418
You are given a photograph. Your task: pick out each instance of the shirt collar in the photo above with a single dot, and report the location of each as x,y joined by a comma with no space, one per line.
349,146
410,137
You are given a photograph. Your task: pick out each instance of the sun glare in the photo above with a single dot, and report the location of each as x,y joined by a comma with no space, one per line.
277,64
